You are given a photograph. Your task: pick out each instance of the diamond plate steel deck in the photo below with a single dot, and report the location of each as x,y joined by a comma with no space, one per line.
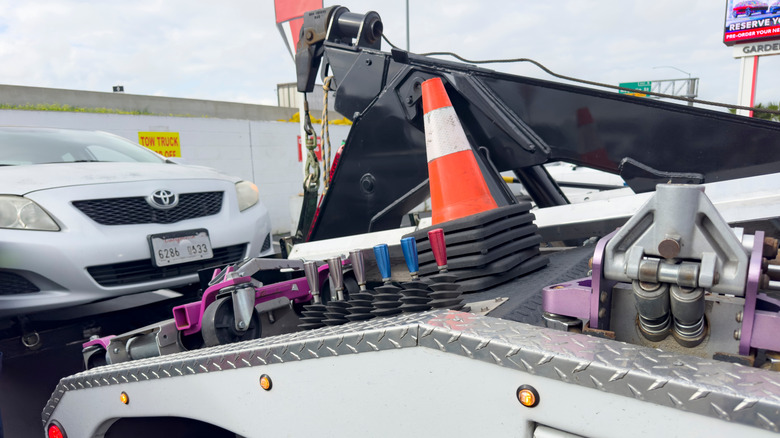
720,390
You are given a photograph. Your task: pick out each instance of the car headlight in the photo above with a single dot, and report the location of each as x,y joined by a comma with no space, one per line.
247,194
21,213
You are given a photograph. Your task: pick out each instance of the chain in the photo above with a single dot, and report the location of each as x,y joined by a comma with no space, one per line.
311,180
325,135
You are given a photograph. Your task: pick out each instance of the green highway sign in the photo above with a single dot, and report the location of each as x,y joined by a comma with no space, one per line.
639,86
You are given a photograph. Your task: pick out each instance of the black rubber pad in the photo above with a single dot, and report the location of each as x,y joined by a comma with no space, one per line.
386,312
498,267
360,309
450,302
414,284
362,296
481,283
440,278
446,294
415,300
484,258
360,317
385,298
482,245
338,304
415,293
415,307
386,304
478,232
334,321
486,219
445,286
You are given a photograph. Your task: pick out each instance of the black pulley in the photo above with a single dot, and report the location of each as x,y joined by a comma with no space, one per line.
219,324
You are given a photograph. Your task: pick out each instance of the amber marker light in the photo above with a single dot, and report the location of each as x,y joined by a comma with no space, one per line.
528,396
124,398
265,382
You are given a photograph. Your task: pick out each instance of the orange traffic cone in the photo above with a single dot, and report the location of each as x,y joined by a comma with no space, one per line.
457,186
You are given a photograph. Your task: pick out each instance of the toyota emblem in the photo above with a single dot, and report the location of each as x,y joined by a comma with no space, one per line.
163,199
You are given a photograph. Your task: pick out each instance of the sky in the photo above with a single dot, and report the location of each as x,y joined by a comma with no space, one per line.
232,51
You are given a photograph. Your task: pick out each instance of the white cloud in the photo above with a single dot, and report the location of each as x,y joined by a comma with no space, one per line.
231,50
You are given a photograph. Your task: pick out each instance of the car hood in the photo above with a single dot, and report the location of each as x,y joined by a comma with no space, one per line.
21,180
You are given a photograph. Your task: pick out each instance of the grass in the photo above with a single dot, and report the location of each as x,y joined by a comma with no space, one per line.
76,109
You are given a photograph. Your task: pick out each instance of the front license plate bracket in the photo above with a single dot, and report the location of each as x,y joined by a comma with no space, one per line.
180,247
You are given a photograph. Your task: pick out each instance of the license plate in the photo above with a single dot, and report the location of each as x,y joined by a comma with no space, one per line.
180,247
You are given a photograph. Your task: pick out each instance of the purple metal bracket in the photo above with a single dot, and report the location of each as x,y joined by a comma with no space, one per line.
766,324
751,292
582,298
568,299
188,316
102,342
601,286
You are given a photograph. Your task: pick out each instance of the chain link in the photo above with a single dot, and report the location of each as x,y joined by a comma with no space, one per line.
311,180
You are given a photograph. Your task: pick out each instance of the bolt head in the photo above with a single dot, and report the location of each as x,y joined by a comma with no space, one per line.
241,324
669,248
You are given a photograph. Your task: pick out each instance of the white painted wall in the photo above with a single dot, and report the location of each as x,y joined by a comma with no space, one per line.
259,151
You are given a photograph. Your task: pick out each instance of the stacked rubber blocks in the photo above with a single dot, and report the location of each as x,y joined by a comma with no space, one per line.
485,249
434,292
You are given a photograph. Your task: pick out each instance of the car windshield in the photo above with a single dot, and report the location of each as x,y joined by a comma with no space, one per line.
24,146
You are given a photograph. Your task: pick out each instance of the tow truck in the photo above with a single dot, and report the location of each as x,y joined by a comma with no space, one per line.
663,327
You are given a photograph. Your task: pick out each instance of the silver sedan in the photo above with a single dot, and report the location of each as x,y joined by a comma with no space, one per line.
88,216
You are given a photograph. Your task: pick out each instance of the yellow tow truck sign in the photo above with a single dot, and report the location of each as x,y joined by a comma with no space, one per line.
164,143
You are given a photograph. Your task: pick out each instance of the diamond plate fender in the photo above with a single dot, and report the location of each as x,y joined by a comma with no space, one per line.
719,390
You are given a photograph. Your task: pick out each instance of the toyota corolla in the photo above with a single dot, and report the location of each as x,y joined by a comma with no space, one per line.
88,216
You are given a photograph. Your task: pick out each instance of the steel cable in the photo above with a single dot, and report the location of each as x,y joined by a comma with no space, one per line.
594,83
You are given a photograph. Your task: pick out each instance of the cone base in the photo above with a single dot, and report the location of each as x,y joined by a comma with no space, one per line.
476,257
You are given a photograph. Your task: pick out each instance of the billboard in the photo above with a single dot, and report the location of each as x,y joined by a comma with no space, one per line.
751,20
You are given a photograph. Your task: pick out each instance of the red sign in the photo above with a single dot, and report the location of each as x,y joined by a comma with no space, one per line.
289,19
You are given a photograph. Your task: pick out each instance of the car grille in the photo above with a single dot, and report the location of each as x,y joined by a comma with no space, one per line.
13,284
129,211
141,271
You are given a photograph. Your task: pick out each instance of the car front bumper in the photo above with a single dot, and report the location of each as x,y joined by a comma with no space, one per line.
86,261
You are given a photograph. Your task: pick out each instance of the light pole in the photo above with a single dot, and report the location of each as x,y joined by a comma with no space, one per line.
671,66
691,82
407,25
